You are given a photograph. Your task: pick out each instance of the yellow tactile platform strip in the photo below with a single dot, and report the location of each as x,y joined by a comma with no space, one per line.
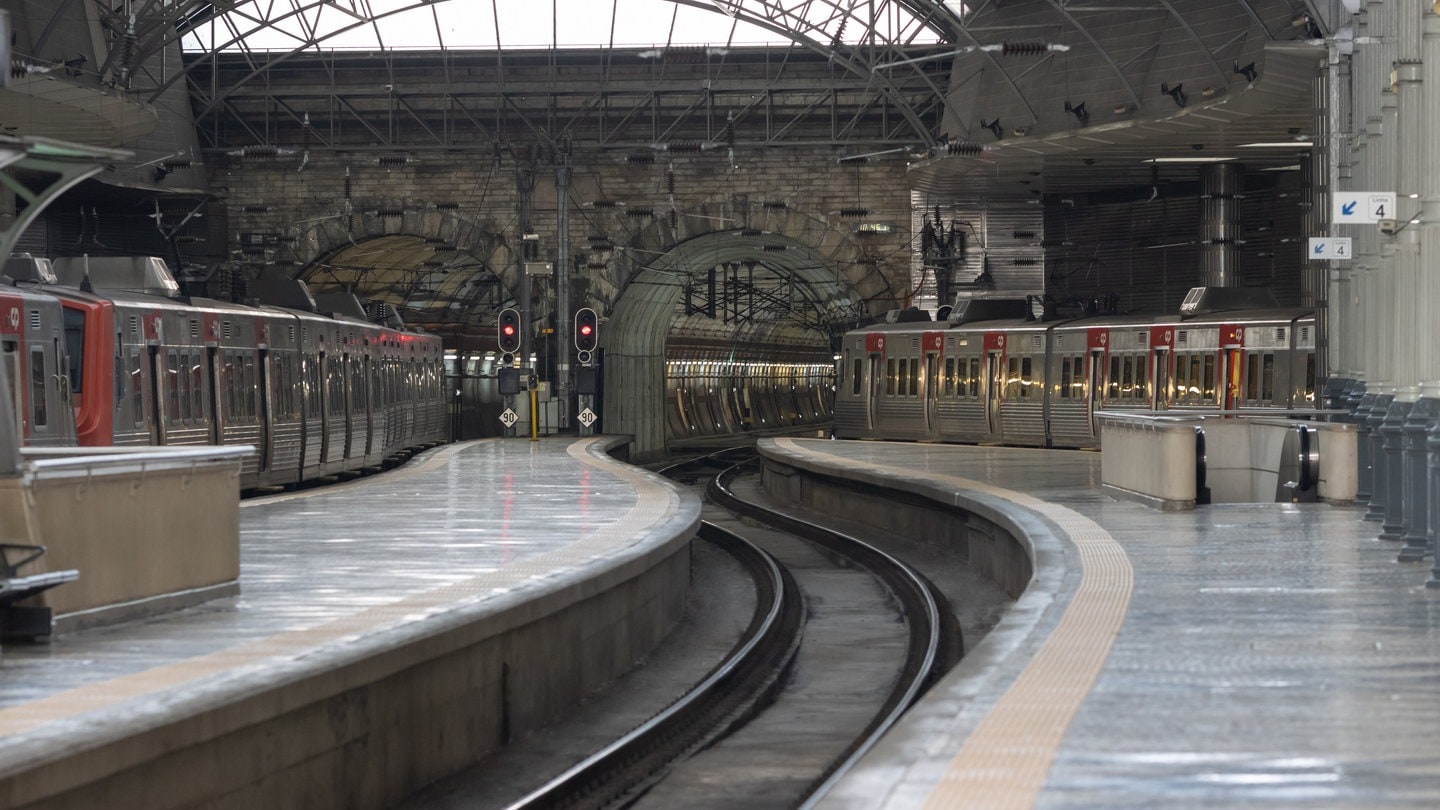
652,503
1004,761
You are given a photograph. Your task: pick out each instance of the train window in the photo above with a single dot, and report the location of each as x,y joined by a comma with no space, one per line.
1209,387
890,372
1194,394
75,346
172,385
181,378
1112,383
197,388
914,377
856,369
1309,392
974,377
281,378
1142,382
1252,377
358,391
1065,378
187,388
312,388
1026,369
229,385
137,392
948,388
245,381
1127,377
39,413
1267,377
1012,379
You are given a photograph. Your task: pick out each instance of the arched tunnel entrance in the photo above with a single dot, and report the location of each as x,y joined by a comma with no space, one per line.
728,332
433,284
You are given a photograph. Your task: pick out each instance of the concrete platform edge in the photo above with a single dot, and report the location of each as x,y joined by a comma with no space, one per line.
167,748
946,715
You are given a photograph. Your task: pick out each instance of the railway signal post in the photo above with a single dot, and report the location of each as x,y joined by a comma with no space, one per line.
587,337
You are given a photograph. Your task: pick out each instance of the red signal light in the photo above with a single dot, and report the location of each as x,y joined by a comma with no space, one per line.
509,332
586,329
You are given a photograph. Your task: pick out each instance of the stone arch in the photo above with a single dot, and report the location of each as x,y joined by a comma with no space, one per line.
449,262
640,322
870,274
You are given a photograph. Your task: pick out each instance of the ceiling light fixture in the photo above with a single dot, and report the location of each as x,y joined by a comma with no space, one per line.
1187,160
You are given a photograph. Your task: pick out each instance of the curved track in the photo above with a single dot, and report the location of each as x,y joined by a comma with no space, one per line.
934,637
756,673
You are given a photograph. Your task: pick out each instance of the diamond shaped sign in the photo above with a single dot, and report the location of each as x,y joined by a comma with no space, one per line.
587,417
509,418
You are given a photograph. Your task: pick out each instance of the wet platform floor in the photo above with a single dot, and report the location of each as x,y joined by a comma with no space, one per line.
1266,655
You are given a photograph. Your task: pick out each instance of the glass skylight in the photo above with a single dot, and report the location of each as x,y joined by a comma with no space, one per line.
286,25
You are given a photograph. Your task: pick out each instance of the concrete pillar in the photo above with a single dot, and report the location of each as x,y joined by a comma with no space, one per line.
1411,327
1389,338
1220,224
1428,352
1434,486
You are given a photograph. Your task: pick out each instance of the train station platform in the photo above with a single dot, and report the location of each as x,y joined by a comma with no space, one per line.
1240,655
388,631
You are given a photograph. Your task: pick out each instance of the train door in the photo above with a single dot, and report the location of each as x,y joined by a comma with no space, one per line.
222,390
994,381
934,347
1232,349
1162,341
322,386
12,375
875,354
346,376
1097,346
155,365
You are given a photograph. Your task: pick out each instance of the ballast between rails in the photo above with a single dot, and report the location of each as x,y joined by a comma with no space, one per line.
1041,384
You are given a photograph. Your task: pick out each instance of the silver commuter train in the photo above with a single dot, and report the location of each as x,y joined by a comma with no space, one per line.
1034,383
316,394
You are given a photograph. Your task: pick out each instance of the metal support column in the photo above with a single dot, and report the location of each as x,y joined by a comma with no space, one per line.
563,314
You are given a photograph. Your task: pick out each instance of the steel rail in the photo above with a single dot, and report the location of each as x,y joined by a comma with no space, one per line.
934,634
725,699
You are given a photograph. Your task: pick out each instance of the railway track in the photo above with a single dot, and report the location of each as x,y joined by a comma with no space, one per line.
704,735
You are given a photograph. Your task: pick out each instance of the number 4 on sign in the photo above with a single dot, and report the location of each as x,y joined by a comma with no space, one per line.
1380,206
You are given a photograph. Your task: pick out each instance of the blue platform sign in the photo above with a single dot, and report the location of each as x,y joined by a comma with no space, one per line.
1361,206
